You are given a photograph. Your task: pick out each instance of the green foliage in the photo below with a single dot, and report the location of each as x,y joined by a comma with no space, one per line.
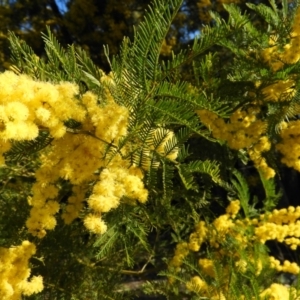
197,185
243,193
272,196
27,149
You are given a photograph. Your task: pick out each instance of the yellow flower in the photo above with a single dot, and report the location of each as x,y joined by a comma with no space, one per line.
16,111
219,296
35,285
276,292
15,271
94,224
207,266
101,203
196,284
233,208
181,252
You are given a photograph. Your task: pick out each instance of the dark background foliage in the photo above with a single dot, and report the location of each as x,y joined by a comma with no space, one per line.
92,24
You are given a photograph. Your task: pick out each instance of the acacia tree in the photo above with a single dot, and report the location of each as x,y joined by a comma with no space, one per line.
139,174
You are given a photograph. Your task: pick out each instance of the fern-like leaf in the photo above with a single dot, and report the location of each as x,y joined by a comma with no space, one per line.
241,186
272,196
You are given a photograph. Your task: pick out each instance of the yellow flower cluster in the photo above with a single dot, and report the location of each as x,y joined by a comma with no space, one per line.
279,292
233,208
44,207
109,121
212,234
207,266
196,284
181,252
284,90
75,204
199,286
290,53
118,179
80,156
27,106
75,157
275,291
272,56
279,225
287,266
39,104
95,224
198,237
255,153
15,272
289,146
243,131
227,224
221,227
